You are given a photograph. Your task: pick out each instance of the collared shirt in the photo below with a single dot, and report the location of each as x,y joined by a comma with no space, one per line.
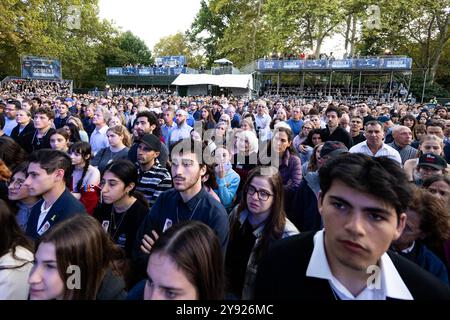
180,133
166,131
391,283
153,182
42,215
384,151
99,140
9,126
406,153
263,125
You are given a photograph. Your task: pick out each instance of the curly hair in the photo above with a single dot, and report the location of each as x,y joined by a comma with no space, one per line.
434,216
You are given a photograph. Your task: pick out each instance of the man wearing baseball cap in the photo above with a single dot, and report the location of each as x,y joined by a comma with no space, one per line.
153,178
430,165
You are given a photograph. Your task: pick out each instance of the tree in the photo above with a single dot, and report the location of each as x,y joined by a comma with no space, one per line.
176,45
416,28
297,24
135,49
208,28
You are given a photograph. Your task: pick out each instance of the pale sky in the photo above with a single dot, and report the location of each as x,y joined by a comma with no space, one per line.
150,20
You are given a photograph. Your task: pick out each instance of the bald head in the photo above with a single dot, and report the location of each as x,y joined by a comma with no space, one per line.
402,136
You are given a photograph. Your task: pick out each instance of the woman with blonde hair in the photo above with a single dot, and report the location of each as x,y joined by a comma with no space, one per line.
77,122
247,124
119,143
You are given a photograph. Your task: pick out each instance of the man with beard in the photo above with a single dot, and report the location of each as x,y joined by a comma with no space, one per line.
188,200
147,123
349,258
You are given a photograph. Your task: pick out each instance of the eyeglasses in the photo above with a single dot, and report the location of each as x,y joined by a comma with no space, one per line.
16,183
262,195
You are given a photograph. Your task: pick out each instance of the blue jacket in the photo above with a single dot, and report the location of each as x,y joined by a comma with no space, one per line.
65,207
228,186
425,258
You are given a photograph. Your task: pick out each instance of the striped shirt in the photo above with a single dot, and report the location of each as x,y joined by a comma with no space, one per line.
153,182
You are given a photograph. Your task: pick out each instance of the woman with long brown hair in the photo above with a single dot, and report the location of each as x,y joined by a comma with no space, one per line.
76,260
255,224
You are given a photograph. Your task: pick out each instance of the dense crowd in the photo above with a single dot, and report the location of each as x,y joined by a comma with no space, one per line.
166,197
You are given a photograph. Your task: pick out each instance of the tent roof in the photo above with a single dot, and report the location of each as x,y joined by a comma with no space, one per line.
224,80
223,61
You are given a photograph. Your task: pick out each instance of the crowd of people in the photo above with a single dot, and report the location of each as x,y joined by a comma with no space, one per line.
209,198
36,87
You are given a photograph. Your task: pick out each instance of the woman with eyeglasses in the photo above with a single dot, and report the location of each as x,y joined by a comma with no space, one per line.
19,195
255,225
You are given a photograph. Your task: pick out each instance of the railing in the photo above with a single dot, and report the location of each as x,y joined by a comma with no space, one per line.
371,63
146,71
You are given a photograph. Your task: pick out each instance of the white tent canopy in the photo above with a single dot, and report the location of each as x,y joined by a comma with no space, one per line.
223,61
243,81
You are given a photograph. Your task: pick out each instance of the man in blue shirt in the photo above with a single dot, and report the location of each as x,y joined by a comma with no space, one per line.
296,122
187,201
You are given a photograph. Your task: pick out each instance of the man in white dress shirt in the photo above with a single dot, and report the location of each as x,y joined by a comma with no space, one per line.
374,145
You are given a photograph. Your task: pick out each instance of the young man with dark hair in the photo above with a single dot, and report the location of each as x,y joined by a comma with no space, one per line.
63,115
43,118
362,203
48,173
333,132
356,125
147,123
188,200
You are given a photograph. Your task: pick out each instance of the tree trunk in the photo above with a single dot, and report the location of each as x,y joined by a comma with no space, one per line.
347,32
442,41
352,41
318,46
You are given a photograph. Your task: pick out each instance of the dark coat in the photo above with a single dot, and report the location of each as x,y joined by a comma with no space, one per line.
65,207
282,274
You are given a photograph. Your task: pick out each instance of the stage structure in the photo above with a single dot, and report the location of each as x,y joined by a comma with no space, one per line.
377,77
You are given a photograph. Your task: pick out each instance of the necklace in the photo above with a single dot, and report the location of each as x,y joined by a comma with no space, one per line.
190,218
115,227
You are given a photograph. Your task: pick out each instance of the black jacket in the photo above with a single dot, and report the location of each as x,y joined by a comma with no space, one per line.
339,134
282,274
25,137
65,207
